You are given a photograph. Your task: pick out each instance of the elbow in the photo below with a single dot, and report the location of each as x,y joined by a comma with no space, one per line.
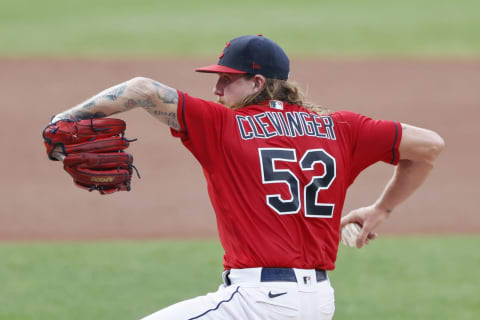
139,83
141,87
434,145
421,145
437,144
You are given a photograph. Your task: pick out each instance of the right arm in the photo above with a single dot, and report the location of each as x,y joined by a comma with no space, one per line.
418,150
158,99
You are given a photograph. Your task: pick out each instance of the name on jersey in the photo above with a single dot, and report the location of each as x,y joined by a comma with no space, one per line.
290,124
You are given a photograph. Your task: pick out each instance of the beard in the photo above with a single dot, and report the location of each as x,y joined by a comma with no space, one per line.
223,103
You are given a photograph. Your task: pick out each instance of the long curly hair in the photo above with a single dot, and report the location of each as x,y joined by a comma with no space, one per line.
282,90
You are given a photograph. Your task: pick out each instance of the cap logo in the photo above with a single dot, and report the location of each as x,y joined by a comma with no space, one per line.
256,66
251,54
223,52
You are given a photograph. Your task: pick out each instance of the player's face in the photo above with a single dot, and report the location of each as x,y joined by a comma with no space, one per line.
232,88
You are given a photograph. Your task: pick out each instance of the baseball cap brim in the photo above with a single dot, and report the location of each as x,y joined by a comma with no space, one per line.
216,68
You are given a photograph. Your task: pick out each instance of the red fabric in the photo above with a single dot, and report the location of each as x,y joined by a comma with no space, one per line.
369,140
252,232
219,69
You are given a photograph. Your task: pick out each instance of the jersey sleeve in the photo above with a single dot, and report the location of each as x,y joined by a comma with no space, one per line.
201,124
371,141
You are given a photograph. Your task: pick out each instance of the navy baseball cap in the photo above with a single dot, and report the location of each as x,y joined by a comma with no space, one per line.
254,55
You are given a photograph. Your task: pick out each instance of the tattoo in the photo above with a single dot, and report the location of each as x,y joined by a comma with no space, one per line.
404,127
81,114
89,105
145,103
173,124
165,114
130,104
88,109
166,94
170,118
114,93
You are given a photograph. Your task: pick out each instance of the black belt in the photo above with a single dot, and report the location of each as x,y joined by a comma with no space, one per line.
287,275
282,274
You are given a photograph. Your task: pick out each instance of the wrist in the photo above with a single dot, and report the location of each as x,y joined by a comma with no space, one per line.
383,207
62,116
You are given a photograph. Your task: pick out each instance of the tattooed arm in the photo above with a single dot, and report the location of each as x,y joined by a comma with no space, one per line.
158,99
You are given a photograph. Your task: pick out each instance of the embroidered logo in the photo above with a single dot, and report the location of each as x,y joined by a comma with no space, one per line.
102,179
277,105
274,295
223,52
256,66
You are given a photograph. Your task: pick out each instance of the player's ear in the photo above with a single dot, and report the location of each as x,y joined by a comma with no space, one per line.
258,82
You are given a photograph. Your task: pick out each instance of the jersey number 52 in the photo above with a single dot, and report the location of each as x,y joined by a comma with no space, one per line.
270,174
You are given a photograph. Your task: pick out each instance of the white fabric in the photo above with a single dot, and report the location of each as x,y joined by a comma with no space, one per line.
248,299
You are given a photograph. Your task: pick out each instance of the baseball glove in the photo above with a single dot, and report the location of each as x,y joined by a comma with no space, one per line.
92,152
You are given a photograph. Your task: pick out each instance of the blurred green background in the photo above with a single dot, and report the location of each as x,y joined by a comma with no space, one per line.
124,28
395,278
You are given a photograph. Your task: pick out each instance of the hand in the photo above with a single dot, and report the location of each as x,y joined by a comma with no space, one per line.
368,218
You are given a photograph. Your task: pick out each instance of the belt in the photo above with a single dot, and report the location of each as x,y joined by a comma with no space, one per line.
278,274
286,274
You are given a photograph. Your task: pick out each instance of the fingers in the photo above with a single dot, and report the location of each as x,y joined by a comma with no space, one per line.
365,237
372,236
343,223
368,218
352,217
362,237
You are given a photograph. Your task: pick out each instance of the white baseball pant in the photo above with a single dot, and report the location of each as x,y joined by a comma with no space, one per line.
260,293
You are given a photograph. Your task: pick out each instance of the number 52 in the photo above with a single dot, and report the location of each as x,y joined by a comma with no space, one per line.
270,174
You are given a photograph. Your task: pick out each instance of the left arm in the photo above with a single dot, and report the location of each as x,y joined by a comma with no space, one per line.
157,99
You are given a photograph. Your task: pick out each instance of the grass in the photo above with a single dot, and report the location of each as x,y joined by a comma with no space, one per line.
394,278
103,280
409,278
152,28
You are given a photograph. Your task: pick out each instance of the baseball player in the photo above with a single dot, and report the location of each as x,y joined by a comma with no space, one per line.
277,171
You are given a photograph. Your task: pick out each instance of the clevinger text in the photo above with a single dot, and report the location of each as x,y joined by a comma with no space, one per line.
291,124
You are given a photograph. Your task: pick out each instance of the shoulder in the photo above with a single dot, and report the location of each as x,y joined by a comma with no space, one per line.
201,105
346,116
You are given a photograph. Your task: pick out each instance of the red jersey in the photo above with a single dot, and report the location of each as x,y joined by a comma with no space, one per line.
277,175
